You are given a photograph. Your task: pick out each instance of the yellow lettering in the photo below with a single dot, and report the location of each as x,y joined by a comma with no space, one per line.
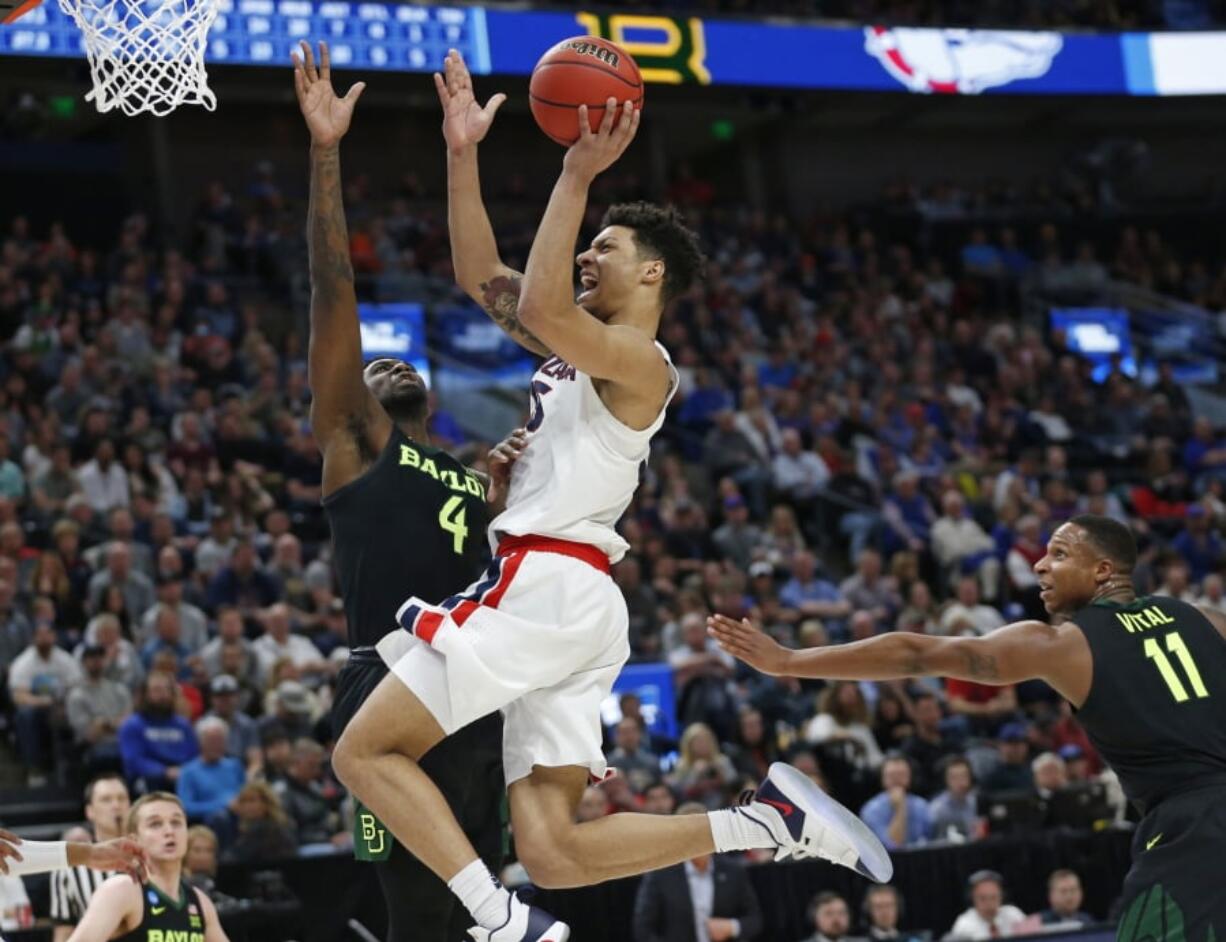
676,52
1158,617
155,935
427,467
473,486
1123,619
409,456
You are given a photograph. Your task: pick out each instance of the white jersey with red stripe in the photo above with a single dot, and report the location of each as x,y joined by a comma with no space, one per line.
580,468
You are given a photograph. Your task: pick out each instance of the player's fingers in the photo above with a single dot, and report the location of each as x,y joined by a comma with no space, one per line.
325,62
354,93
4,867
585,126
308,58
492,106
610,115
299,81
626,118
440,86
9,836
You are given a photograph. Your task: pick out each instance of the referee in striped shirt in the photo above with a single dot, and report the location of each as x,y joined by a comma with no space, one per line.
106,809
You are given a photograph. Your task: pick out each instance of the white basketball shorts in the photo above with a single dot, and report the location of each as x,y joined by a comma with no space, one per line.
541,636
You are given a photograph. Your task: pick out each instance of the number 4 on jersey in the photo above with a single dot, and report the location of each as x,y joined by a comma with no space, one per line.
452,519
1175,645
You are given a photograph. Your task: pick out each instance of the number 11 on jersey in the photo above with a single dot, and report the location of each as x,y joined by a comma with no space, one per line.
1175,645
452,519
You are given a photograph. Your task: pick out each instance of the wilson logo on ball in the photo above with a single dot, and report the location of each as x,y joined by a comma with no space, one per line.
603,53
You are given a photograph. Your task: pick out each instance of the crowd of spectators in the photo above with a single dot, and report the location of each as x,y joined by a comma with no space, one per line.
867,438
1018,14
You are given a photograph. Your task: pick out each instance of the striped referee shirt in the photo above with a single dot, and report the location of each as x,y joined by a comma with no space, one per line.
71,890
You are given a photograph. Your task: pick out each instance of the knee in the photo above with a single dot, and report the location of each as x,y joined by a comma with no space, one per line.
349,756
548,862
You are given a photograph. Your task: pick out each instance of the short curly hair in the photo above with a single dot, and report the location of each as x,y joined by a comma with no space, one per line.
659,232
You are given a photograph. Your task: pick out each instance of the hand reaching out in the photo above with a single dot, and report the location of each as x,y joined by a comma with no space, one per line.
743,640
327,116
464,121
502,458
595,152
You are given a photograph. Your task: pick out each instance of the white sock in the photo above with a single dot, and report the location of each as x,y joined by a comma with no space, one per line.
481,894
734,829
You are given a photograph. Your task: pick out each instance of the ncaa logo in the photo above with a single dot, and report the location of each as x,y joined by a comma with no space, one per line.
961,61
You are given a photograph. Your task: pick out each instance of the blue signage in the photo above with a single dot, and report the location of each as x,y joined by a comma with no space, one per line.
395,330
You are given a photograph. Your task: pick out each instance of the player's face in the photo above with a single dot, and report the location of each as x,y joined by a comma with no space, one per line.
1070,572
398,387
610,270
161,829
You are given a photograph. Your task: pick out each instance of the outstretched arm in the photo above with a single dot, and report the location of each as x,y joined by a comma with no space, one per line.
547,302
349,425
474,252
1025,650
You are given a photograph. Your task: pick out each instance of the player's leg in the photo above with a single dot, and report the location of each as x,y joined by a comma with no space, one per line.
378,760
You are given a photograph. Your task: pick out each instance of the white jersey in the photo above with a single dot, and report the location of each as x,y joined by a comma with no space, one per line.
580,469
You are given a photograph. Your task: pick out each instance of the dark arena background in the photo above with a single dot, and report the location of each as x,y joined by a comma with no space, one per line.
966,279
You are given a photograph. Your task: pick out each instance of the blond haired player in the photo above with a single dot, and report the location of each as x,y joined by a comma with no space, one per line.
165,908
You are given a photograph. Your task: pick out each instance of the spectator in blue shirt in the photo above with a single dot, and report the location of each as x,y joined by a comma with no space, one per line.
1204,455
811,595
209,782
1198,544
167,636
898,817
155,742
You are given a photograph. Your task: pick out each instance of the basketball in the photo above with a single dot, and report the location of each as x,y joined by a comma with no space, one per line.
583,70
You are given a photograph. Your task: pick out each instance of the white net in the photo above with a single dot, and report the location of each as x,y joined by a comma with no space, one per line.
146,55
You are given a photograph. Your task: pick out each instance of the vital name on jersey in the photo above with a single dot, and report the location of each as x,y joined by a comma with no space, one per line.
557,368
410,457
1151,617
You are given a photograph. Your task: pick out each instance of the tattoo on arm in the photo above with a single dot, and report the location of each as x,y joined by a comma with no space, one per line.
327,235
500,298
981,666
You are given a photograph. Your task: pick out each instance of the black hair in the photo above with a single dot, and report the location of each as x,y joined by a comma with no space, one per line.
659,232
1111,538
102,777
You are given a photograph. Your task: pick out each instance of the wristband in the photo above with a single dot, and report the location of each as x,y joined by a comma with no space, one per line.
39,857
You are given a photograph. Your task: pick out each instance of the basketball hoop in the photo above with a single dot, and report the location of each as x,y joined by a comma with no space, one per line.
146,55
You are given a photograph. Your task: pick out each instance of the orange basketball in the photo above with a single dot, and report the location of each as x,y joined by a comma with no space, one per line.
583,70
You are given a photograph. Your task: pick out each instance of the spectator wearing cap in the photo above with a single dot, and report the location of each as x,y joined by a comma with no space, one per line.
243,736
967,615
279,641
962,547
209,783
193,623
242,582
736,538
1012,773
103,481
96,707
1076,763
121,660
989,916
293,708
896,815
155,741
136,588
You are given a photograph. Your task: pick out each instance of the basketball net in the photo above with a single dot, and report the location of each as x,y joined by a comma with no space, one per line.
146,55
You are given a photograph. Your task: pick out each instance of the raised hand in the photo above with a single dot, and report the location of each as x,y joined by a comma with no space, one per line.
327,116
464,121
502,458
595,152
744,641
122,854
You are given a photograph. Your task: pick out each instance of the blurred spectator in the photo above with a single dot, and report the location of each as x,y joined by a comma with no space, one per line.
756,747
843,716
708,898
230,634
592,805
167,636
121,662
310,800
208,783
15,910
659,798
831,919
39,681
883,905
135,588
928,744
263,832
1049,774
1064,899
15,628
811,595
898,817
200,865
703,773
798,475
102,479
962,547
736,538
243,734
1012,772
983,706
643,606
96,708
242,583
279,642
193,623
989,916
868,590
639,766
967,615
155,741
954,813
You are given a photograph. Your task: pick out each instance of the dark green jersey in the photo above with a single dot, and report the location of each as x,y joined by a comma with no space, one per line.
166,919
1156,710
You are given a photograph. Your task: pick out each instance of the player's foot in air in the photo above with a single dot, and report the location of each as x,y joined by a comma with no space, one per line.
806,822
524,924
